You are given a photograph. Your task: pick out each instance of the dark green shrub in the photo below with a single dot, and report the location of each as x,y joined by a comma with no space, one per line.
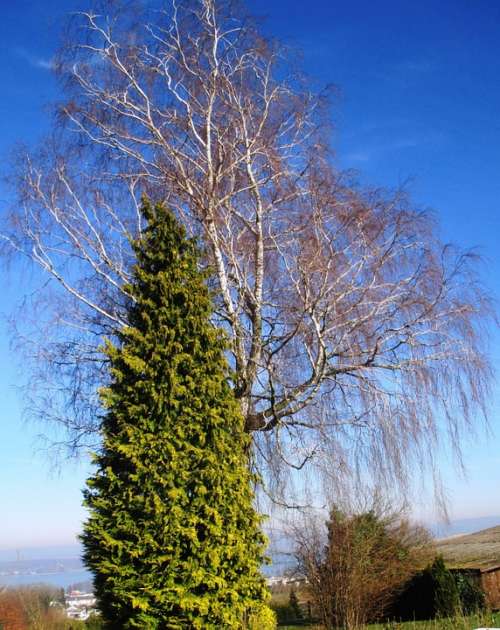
416,599
446,595
283,612
289,612
293,604
471,594
94,622
438,592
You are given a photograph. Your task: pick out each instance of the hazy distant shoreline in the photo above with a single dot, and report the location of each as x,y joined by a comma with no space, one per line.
60,580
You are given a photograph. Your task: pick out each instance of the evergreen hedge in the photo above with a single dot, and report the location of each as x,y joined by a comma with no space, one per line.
437,592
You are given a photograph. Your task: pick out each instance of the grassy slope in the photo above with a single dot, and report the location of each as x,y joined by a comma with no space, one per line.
479,549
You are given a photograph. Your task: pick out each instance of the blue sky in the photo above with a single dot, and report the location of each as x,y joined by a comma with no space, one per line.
418,101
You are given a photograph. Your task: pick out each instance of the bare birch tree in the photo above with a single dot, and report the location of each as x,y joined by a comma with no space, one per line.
355,334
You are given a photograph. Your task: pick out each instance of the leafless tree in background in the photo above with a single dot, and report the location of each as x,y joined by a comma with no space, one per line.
355,334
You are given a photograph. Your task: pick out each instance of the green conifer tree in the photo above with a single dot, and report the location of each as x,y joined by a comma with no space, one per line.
172,538
294,606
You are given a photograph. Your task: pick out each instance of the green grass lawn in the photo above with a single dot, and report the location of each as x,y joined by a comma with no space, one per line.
486,620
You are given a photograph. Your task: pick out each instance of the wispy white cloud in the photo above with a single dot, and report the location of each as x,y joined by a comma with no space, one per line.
376,149
371,152
34,60
45,64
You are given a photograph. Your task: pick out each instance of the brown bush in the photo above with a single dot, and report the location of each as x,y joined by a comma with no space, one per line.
364,562
12,613
28,608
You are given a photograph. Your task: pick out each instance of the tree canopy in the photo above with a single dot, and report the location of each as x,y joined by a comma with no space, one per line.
356,335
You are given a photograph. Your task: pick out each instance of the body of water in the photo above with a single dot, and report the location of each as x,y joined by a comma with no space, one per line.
60,580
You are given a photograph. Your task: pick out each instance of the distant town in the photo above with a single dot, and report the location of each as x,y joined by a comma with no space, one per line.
78,605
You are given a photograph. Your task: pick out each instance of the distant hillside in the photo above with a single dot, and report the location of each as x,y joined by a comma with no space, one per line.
469,525
481,549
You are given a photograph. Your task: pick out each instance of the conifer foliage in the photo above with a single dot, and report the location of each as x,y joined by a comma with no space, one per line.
172,537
